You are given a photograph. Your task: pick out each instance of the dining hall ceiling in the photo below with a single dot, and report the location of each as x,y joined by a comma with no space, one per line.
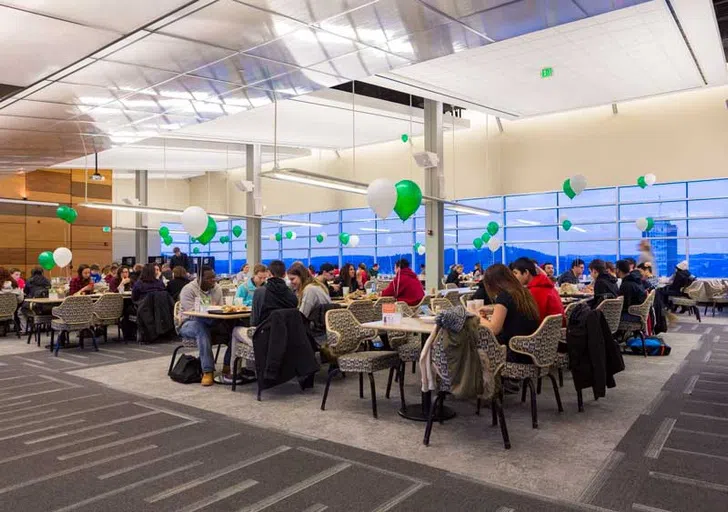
81,77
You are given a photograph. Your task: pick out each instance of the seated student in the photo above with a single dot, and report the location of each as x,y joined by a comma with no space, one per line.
95,273
82,283
135,272
179,280
309,291
649,280
542,289
167,272
548,268
477,271
604,285
405,286
374,271
274,294
455,275
681,279
362,276
122,281
148,282
206,292
36,287
326,277
572,275
347,278
631,289
244,274
515,312
481,294
109,273
18,276
247,289
611,269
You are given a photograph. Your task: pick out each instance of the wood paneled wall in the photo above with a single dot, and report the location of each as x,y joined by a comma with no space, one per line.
26,231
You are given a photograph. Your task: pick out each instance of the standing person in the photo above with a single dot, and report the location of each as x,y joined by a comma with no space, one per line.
548,268
17,275
148,282
604,285
374,271
180,259
246,290
275,294
542,289
347,278
572,275
515,312
122,281
95,273
646,254
309,291
203,291
82,283
405,286
362,276
455,275
179,280
631,289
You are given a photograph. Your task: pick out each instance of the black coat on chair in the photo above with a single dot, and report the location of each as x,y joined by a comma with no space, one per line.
155,316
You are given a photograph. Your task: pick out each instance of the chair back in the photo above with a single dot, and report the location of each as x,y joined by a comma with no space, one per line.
425,301
109,307
77,309
695,290
363,311
405,310
450,286
543,344
378,306
381,285
569,310
441,304
344,333
8,304
643,310
453,297
442,280
465,297
612,310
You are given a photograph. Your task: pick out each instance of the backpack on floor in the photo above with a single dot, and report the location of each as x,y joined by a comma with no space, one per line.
187,370
653,346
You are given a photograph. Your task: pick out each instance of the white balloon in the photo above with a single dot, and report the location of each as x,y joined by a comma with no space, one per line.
562,218
194,220
381,197
324,235
272,237
641,223
578,183
421,250
650,179
62,256
494,243
354,241
294,235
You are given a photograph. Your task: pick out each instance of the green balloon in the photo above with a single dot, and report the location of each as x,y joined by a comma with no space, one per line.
196,250
222,240
566,225
344,238
409,199
650,223
416,246
279,237
62,212
289,234
164,231
320,238
493,228
71,216
45,260
477,243
568,190
167,240
485,238
237,231
641,182
210,231
405,137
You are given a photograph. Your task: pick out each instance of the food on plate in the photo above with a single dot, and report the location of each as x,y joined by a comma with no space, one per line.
235,309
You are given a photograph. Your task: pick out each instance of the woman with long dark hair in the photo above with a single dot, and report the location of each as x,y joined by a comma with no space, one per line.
122,281
309,290
148,282
82,284
515,312
348,278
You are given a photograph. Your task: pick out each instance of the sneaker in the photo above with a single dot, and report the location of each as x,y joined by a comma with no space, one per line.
227,378
207,379
226,369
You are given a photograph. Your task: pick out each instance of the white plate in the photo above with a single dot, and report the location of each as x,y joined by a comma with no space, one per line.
428,319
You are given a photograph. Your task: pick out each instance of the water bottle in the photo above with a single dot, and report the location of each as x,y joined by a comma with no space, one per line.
197,304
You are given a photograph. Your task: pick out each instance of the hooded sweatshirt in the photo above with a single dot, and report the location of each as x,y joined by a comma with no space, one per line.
632,290
405,287
546,296
37,286
274,294
605,287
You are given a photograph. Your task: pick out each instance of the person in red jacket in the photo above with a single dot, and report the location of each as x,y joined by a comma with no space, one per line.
405,287
538,283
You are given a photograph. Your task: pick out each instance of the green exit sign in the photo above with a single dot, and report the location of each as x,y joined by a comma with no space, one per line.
106,229
547,72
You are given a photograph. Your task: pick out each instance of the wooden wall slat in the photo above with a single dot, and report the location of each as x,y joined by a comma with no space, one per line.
48,181
95,191
13,236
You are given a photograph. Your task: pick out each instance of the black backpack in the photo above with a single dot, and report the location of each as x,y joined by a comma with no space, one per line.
187,370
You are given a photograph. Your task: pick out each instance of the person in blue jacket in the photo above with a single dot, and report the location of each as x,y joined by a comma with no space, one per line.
247,289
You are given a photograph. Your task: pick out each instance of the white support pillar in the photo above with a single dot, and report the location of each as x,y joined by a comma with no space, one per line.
141,238
434,187
253,203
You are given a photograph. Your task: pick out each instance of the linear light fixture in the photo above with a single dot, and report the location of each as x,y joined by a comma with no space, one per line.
27,202
281,174
295,223
465,209
375,230
143,209
580,230
529,222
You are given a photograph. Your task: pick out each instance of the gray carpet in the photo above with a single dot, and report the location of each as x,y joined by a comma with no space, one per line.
675,456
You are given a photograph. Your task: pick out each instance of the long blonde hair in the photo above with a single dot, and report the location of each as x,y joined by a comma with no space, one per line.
299,270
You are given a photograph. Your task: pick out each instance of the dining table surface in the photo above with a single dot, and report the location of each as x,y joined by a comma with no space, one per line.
219,316
58,300
414,325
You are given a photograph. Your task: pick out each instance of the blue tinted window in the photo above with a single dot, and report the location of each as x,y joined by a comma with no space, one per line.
708,257
531,218
668,253
530,201
514,234
708,208
710,188
590,197
671,210
662,228
586,251
591,214
588,232
541,252
654,193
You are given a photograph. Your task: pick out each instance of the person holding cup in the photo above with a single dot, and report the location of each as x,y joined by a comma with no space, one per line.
349,283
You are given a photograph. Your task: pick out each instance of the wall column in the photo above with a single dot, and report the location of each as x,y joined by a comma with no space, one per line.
434,187
253,203
141,186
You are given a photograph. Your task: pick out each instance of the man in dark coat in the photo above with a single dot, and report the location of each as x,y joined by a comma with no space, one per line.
631,289
275,294
180,259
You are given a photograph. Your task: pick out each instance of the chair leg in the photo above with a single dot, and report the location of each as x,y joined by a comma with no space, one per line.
402,369
38,332
52,338
30,328
523,393
697,314
93,340
361,385
430,420
217,353
493,411
374,394
556,393
502,420
538,386
58,344
477,407
534,410
389,382
326,389
414,366
644,349
106,334
561,378
579,400
236,363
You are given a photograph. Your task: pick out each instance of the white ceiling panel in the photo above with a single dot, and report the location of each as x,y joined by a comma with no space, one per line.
245,70
624,54
37,46
118,76
308,11
306,47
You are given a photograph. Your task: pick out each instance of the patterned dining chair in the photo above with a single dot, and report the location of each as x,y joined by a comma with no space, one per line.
465,297
408,345
426,299
8,306
639,327
454,297
75,314
451,286
108,311
185,343
612,310
441,304
562,358
345,337
378,306
493,359
363,311
542,347
39,320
